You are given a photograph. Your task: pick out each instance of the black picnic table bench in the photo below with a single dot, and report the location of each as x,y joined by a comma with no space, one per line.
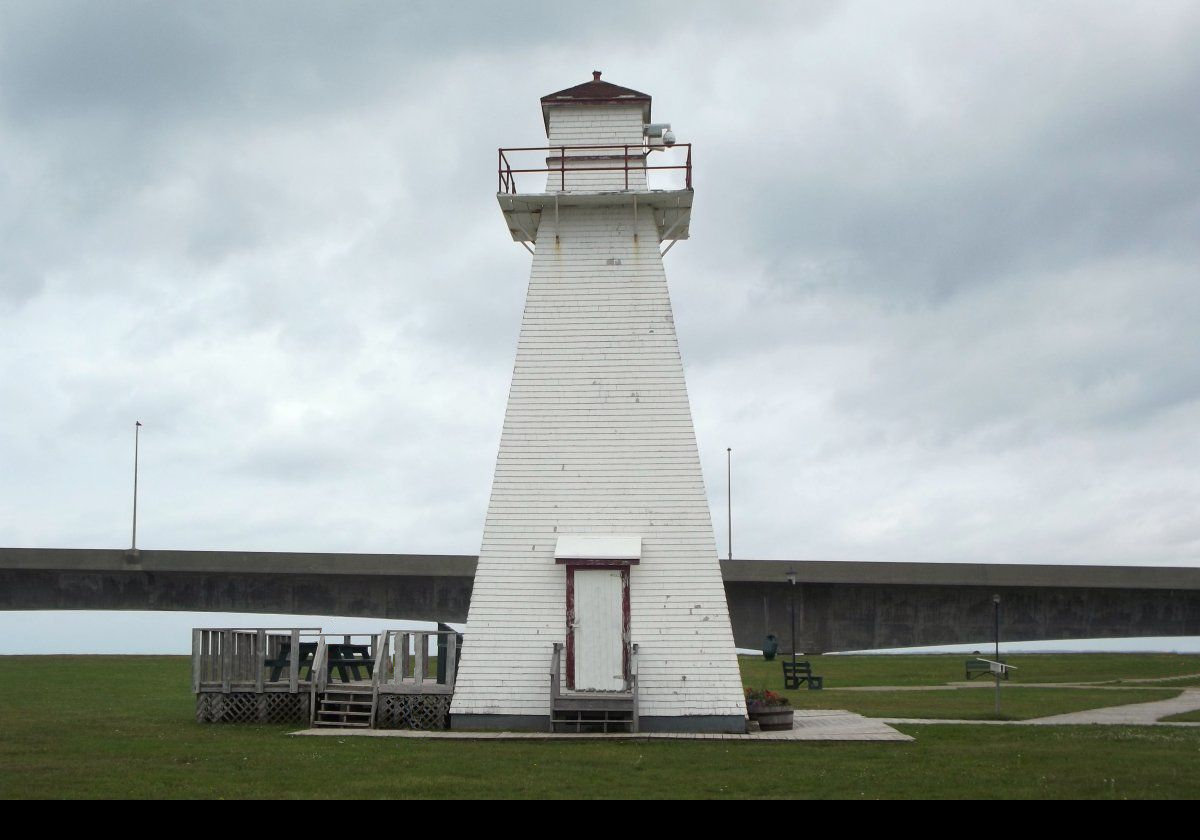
348,659
795,673
976,667
284,660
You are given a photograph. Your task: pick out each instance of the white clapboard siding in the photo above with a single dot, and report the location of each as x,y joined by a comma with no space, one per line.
598,439
617,125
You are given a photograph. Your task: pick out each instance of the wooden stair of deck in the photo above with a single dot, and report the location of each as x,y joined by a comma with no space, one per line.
346,708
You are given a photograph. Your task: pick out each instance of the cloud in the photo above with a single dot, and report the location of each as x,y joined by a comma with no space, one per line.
938,297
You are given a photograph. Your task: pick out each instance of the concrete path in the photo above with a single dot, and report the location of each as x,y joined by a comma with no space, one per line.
990,685
808,725
1132,714
818,725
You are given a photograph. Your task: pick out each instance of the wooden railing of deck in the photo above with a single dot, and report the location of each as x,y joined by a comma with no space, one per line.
402,664
254,659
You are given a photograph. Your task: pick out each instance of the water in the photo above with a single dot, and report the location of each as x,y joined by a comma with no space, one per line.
151,632
1139,644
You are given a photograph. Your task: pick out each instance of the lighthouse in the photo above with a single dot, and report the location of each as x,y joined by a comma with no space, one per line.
598,603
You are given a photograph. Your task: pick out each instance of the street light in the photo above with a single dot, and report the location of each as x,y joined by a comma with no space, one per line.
996,604
996,627
137,428
791,576
729,494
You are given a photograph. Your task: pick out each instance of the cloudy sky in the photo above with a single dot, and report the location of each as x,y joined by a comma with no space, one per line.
941,296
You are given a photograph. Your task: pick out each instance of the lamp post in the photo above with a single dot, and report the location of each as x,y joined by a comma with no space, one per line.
729,494
137,428
791,576
996,628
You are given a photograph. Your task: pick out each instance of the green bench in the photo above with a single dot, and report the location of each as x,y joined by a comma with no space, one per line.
978,667
795,673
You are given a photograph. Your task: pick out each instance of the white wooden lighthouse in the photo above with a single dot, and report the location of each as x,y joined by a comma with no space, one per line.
598,601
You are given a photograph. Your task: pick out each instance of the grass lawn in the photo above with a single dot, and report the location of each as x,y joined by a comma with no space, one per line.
123,727
1021,699
1186,717
1185,682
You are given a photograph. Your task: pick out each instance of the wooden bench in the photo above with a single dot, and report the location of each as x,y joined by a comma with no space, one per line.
795,673
977,667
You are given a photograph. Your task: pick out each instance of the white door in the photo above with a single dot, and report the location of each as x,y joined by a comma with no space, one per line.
599,651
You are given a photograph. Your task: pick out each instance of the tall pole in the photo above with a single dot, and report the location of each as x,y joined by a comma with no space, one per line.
137,427
996,619
729,495
791,576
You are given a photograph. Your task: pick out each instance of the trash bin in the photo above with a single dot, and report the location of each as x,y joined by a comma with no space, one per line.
770,647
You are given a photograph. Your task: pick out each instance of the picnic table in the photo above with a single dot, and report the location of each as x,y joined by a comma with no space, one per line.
308,650
347,659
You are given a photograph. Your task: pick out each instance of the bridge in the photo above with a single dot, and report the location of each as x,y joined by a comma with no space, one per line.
838,605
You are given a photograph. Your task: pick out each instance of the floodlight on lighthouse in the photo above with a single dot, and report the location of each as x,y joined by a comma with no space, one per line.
660,134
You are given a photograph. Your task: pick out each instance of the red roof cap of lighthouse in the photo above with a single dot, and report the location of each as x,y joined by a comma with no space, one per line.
595,92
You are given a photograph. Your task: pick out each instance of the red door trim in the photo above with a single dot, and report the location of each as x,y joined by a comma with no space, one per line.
571,566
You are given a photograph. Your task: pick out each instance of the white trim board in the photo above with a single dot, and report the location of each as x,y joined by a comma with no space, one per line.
598,547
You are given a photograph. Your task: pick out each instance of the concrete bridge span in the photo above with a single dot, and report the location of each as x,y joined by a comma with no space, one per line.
413,587
839,605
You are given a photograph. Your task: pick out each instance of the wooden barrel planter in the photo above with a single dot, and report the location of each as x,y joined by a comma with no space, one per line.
771,718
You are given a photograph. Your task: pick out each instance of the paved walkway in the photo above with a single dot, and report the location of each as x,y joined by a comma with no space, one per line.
808,725
990,685
819,725
1132,714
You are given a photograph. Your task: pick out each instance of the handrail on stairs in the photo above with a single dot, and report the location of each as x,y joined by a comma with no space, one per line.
633,683
555,679
382,645
319,678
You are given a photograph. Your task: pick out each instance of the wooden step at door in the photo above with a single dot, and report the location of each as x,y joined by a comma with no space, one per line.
592,720
601,712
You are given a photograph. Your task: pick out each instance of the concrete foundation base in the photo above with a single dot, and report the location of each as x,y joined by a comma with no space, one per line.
501,723
726,724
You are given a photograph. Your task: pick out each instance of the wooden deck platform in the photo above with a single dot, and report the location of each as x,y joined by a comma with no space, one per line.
277,675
